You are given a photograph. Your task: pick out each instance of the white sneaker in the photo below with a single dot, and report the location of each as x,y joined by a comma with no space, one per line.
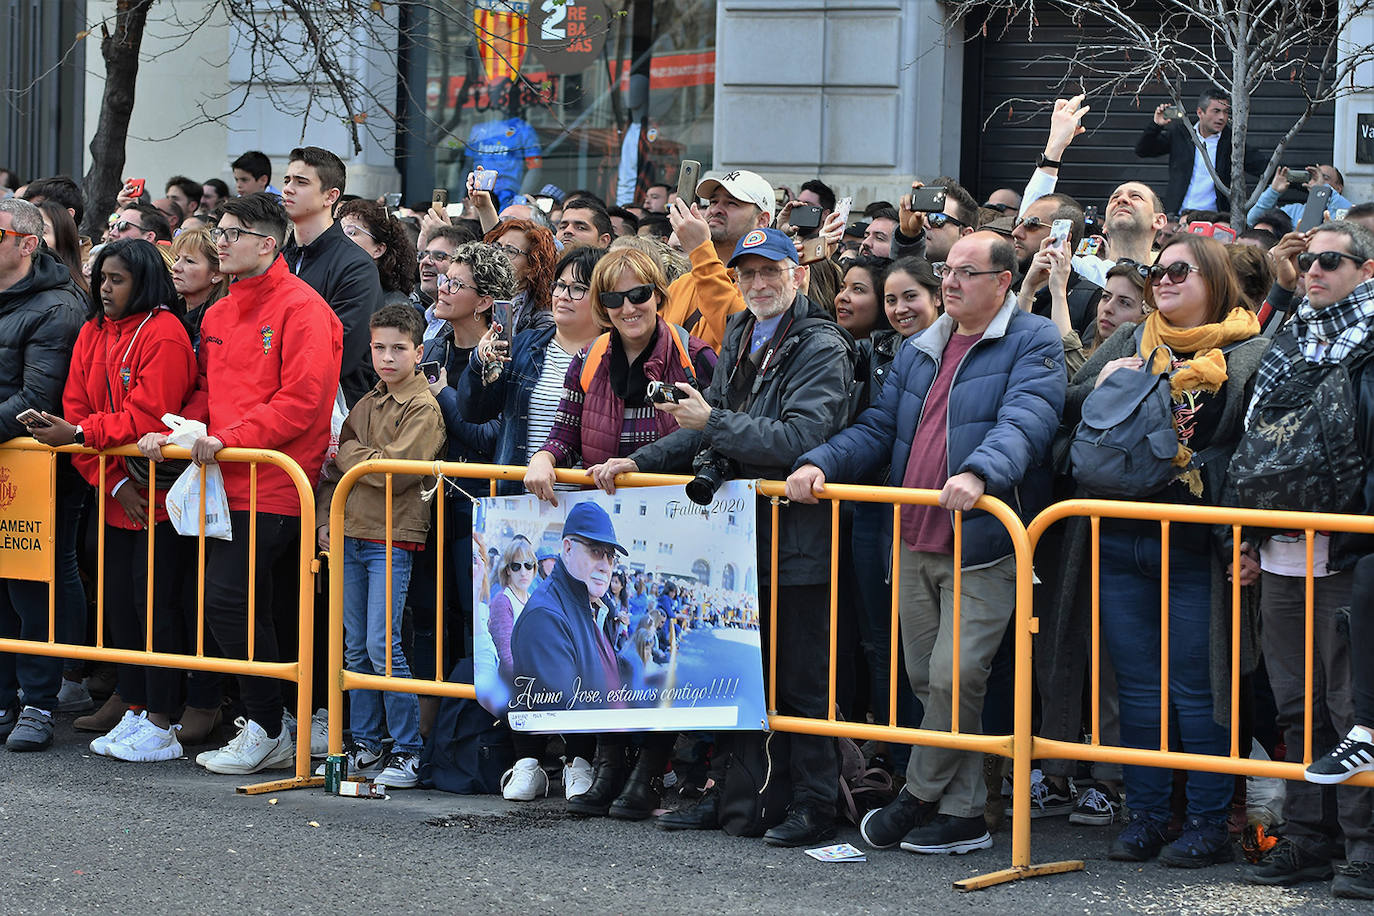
577,777
319,733
402,772
149,744
251,750
362,764
525,781
132,722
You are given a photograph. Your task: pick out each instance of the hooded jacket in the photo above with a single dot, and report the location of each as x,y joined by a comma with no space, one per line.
347,278
801,397
39,320
269,365
125,375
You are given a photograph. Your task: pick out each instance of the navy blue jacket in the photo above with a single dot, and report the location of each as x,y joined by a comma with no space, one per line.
556,641
508,397
1004,408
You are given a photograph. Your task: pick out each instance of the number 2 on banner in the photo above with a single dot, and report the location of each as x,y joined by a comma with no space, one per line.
552,28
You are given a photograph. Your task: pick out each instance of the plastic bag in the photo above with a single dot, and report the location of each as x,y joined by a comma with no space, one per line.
183,498
1264,795
336,422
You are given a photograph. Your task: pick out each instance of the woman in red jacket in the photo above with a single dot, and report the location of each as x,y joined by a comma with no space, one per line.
132,363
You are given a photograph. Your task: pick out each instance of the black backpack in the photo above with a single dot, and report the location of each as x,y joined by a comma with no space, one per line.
1301,448
468,748
757,786
1125,442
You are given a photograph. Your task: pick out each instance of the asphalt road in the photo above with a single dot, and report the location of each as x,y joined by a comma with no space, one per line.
84,833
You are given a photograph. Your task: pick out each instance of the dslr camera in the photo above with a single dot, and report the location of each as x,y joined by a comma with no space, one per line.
711,471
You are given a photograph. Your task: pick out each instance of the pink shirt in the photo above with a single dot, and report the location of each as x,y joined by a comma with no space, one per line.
930,528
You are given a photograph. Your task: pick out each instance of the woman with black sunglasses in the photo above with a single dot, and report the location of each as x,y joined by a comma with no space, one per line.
1203,335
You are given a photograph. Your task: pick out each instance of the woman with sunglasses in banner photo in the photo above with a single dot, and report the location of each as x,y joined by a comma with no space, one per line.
1204,337
607,411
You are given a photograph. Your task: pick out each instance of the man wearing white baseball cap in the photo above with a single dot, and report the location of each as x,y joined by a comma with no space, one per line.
702,300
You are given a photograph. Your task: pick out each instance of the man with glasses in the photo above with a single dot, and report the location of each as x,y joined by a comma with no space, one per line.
269,370
1330,328
41,311
434,259
971,409
561,655
782,385
1028,236
141,221
321,255
931,235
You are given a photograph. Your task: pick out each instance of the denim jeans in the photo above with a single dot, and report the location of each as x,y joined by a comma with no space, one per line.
365,644
1130,578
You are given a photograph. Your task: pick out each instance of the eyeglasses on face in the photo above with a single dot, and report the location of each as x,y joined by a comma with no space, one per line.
600,551
438,257
636,294
517,566
510,251
453,284
747,275
1177,272
962,272
940,220
353,231
574,291
232,234
1326,260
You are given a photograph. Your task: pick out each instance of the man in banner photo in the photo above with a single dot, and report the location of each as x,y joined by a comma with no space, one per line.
573,653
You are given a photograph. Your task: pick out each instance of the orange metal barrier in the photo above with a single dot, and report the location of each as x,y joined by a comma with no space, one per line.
298,671
1002,745
1165,514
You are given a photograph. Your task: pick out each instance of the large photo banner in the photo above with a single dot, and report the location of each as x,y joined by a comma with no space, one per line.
632,612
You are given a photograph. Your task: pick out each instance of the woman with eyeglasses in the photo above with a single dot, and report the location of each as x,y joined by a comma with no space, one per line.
529,248
132,363
521,381
1203,335
386,242
606,410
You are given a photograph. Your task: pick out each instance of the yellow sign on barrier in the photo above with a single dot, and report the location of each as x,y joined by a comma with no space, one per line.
27,486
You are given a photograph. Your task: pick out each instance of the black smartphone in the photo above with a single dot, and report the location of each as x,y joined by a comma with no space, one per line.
430,370
1298,176
1172,113
688,177
928,200
1314,211
807,219
501,318
393,200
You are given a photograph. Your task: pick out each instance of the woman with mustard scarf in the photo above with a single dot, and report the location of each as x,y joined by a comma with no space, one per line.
1201,316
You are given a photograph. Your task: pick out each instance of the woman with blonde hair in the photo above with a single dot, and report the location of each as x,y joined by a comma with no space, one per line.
196,277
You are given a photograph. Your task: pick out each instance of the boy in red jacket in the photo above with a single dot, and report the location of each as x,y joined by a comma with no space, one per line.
269,369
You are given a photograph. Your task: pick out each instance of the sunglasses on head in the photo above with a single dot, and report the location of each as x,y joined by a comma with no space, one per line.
637,294
1326,260
517,566
1142,269
1177,272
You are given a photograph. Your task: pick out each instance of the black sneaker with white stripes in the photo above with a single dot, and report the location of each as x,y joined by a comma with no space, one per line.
1355,754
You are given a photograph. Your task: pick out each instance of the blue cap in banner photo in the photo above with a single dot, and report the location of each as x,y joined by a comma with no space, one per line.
770,243
591,523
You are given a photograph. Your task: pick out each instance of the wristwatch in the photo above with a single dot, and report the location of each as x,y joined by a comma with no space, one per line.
79,437
1045,162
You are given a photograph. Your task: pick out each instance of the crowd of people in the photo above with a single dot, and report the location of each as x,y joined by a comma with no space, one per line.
1168,350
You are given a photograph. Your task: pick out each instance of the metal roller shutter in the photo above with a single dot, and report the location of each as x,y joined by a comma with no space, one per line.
1001,152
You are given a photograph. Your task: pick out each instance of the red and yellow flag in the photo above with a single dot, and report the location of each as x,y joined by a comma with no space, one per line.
501,36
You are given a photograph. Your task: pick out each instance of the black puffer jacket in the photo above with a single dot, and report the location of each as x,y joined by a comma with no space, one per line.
806,395
39,318
347,279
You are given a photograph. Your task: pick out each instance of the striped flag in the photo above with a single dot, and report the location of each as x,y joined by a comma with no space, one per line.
501,36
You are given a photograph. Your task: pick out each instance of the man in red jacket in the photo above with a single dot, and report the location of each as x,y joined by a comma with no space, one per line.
269,369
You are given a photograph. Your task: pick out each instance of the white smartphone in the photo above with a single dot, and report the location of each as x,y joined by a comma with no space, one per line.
842,207
1060,230
32,417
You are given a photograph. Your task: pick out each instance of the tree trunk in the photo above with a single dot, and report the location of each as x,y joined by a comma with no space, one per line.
120,49
1240,116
